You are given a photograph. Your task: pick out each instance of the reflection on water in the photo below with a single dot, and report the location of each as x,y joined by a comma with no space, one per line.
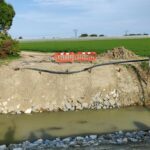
82,122
15,128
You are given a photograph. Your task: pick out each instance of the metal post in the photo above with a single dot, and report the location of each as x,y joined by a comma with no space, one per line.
75,33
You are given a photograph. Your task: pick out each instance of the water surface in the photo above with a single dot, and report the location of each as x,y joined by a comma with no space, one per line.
15,128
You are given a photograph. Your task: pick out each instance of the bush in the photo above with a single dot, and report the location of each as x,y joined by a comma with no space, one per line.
8,46
84,35
20,38
101,35
145,34
93,35
145,66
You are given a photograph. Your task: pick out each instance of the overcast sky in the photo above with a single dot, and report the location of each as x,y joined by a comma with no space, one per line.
58,18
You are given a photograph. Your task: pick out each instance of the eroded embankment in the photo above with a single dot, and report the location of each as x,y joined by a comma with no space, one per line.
105,87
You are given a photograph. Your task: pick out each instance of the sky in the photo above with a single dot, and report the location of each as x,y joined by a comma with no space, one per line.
59,18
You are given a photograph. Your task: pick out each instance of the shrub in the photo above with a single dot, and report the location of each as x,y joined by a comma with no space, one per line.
8,46
84,35
145,34
93,35
101,35
20,38
145,66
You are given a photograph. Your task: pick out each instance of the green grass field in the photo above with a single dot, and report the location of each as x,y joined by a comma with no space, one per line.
139,46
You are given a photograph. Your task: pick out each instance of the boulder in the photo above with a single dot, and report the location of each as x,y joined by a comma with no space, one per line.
93,137
4,103
85,105
68,106
112,102
28,111
3,147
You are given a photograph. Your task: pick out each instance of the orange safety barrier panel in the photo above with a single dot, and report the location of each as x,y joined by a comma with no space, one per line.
85,56
71,57
64,57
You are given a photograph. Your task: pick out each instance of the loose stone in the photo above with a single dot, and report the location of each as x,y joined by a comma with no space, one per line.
93,137
3,147
28,111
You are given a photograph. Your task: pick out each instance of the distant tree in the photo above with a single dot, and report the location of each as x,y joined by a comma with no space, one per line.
145,34
84,35
7,14
93,35
132,34
101,35
20,38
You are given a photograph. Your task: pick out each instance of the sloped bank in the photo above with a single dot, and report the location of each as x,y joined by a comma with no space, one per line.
118,140
101,88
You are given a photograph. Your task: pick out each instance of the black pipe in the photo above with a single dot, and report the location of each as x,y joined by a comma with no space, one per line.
86,69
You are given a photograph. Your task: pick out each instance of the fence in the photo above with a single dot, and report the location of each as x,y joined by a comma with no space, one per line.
72,57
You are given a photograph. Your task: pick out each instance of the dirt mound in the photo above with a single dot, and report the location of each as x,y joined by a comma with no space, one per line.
120,53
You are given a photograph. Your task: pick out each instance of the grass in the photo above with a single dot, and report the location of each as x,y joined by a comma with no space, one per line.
8,59
139,46
145,66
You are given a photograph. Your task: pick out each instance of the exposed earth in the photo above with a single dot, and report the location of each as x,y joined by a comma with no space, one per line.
23,90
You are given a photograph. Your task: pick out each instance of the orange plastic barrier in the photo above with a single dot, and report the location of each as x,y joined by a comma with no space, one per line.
64,57
72,57
85,56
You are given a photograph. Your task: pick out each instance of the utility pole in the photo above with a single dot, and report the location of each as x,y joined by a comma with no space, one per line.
126,32
75,33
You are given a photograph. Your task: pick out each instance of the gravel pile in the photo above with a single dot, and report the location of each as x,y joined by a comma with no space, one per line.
117,138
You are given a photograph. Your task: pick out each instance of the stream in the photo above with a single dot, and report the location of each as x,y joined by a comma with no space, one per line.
17,128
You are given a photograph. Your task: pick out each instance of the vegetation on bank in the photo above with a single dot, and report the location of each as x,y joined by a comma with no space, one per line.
145,66
8,59
139,46
8,46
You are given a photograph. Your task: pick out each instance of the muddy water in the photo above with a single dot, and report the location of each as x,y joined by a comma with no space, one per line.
15,128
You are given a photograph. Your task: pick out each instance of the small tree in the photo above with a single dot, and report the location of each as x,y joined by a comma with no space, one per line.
8,46
7,14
